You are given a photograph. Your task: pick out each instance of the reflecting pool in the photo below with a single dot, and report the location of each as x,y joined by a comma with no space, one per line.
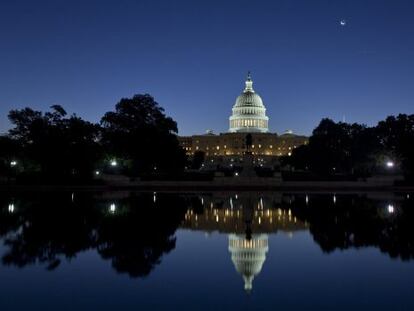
206,251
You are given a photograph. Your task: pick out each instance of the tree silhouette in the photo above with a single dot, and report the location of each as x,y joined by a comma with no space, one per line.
397,136
139,131
55,145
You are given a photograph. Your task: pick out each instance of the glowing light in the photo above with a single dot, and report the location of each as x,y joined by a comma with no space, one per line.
97,173
334,199
390,164
114,163
112,208
306,199
11,208
391,209
236,174
13,163
155,197
343,22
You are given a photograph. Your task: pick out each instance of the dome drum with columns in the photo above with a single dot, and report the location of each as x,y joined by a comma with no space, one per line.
249,113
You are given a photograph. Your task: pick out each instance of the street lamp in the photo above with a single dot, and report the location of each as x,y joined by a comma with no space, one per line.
13,163
112,208
389,164
114,163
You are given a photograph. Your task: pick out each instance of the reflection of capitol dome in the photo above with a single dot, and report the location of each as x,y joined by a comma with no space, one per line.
248,256
249,113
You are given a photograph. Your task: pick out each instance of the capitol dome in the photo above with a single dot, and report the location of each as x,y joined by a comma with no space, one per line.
249,113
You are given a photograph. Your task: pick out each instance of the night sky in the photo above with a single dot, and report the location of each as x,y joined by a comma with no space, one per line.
193,56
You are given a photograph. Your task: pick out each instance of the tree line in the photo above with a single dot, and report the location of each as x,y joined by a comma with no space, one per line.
358,150
137,137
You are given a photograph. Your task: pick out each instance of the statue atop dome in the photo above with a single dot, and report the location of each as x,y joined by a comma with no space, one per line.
249,83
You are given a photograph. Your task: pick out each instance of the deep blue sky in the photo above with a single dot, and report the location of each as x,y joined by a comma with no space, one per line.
192,56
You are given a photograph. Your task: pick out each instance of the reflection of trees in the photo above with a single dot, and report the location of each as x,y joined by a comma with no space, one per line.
355,221
47,230
134,236
136,240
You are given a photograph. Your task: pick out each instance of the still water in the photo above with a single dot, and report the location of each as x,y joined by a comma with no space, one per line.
206,251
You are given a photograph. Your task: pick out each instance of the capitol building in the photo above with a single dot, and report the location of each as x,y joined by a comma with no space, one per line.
248,117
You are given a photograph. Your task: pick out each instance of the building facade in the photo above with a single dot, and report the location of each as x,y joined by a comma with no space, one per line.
248,117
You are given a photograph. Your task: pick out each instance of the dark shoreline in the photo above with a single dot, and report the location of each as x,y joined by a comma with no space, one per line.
211,186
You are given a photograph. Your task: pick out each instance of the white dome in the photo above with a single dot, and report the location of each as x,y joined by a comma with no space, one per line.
249,99
249,113
248,256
